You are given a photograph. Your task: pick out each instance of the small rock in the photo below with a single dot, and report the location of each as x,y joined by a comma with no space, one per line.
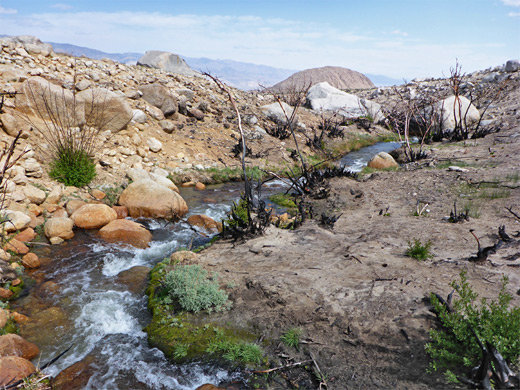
34,195
93,216
4,317
56,240
200,186
382,160
30,260
16,246
98,194
167,126
124,230
14,345
73,205
16,220
196,113
26,235
5,293
139,116
154,144
59,228
205,222
14,368
121,211
55,195
457,169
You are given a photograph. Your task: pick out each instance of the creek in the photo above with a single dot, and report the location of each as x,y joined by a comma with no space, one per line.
88,294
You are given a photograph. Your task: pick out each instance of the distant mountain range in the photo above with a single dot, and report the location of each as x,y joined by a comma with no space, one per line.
242,75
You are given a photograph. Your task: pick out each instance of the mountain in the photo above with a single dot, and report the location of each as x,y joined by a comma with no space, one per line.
78,51
338,77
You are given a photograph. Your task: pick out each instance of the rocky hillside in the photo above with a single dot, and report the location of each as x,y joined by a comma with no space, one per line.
338,77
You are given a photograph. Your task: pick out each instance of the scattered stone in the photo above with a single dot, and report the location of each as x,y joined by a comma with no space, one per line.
275,113
93,216
34,195
159,96
184,257
200,186
382,160
16,246
4,317
167,126
74,204
139,116
98,194
126,231
26,235
196,113
59,227
154,144
16,220
55,195
56,240
5,294
512,66
457,169
135,279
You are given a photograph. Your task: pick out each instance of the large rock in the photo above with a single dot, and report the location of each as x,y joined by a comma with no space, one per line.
32,45
14,345
123,230
454,111
93,216
34,195
382,160
159,96
275,113
59,227
15,220
205,222
14,368
167,61
105,110
324,97
146,198
512,66
39,98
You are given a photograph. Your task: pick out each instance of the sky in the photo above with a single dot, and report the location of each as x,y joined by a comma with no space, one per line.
398,38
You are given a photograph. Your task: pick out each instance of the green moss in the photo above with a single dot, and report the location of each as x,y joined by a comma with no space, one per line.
10,327
285,201
184,336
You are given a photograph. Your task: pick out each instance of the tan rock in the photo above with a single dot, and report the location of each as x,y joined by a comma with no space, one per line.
49,207
16,246
200,186
55,195
205,222
26,235
31,260
14,368
17,220
4,255
98,194
93,216
183,257
56,240
123,230
121,211
36,221
16,282
60,213
146,198
74,204
135,279
34,209
14,345
5,293
188,184
76,376
59,227
34,195
382,160
209,386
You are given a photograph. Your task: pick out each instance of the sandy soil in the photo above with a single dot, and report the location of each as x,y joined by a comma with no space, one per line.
362,304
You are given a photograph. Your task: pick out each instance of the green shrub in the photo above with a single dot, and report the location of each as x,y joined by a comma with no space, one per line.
455,346
419,251
190,286
291,338
73,168
235,351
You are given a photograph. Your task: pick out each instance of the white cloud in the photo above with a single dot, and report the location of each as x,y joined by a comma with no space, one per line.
401,33
62,6
7,11
512,3
514,14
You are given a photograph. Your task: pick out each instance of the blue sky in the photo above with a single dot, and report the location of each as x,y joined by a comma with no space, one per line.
397,38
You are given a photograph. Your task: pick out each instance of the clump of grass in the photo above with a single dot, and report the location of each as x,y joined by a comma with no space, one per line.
237,352
455,346
367,170
73,168
190,286
292,337
419,251
180,350
284,201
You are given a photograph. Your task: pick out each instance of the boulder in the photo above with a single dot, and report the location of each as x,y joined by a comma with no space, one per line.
135,279
136,174
451,110
76,376
105,109
275,113
164,181
59,227
167,61
382,160
324,97
146,198
15,220
73,205
512,66
14,345
30,260
16,246
14,368
93,216
12,123
26,235
204,222
159,96
124,230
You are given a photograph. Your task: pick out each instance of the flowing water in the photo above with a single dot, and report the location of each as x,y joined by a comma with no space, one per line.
79,299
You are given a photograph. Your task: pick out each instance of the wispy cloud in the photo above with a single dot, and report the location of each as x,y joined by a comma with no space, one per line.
512,3
272,41
62,6
514,14
7,11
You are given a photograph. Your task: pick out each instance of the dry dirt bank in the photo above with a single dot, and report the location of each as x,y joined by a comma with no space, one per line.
359,300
